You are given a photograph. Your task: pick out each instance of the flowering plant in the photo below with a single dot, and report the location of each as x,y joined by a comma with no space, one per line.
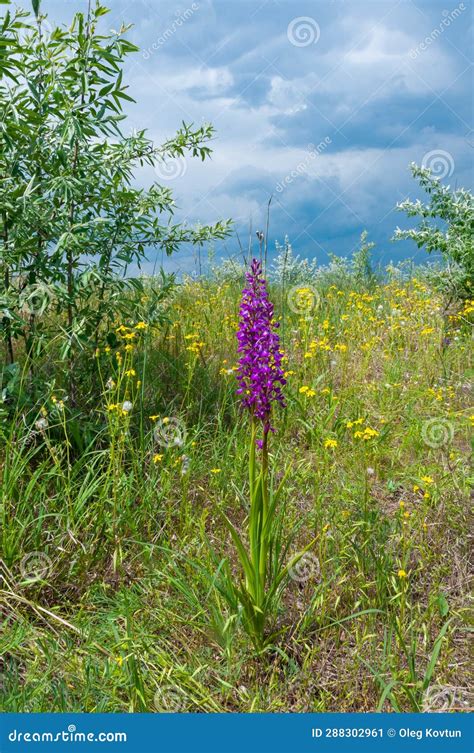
259,374
261,379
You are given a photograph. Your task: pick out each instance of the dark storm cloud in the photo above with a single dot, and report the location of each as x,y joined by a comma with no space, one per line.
385,82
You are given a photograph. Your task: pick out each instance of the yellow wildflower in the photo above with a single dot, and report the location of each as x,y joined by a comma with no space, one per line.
369,432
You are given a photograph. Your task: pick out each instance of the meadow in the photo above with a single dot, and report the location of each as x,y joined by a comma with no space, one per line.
113,541
215,500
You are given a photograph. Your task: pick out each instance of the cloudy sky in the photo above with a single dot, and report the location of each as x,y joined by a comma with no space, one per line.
322,104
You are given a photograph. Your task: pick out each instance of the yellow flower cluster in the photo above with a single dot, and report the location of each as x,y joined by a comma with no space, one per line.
128,335
226,370
58,403
365,432
441,393
357,422
122,409
315,345
196,345
307,391
304,299
468,308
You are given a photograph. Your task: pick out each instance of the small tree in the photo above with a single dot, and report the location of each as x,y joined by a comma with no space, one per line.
71,219
454,240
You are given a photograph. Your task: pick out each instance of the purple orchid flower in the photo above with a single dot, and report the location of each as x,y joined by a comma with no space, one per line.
259,373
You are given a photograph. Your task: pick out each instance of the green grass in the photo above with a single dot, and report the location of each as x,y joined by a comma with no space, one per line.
119,612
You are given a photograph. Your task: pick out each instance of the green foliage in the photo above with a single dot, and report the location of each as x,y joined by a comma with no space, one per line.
361,261
265,573
71,219
455,240
357,271
289,269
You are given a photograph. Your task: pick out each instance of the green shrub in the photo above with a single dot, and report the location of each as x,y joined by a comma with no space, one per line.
72,221
454,240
